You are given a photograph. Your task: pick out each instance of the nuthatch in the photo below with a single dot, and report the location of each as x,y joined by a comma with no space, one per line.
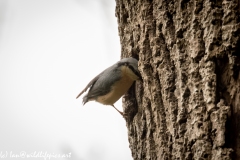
112,83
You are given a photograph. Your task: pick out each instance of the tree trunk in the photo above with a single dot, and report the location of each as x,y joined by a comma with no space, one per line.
188,104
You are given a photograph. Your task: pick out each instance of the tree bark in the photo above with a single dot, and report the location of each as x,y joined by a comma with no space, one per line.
188,104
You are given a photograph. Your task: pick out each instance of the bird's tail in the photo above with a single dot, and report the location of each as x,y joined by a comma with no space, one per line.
85,100
80,94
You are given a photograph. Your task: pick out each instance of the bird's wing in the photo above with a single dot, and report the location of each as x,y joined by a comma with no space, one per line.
91,83
104,83
106,77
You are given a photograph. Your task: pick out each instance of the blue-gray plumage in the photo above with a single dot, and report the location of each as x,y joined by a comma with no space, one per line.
112,83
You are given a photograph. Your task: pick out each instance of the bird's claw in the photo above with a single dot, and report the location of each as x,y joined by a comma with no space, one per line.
124,115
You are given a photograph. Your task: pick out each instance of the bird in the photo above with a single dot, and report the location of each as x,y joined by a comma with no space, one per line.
112,83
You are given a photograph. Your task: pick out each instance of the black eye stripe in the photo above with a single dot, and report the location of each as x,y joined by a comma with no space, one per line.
134,71
130,67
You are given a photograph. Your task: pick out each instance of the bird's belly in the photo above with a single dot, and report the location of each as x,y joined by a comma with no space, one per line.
117,91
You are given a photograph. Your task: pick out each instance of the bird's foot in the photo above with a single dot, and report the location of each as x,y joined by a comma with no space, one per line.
124,115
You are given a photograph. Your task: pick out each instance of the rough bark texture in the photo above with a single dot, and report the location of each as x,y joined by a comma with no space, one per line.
188,105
